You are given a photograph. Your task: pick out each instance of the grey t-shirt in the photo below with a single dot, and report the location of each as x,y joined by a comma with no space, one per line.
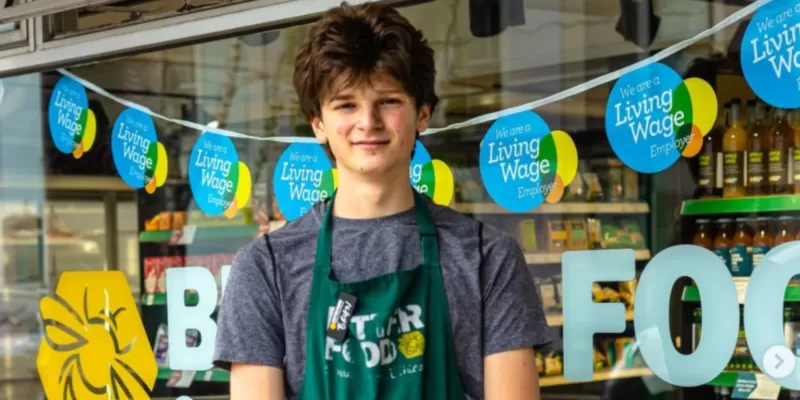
494,304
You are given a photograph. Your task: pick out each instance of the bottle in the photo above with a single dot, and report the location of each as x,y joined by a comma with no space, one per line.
796,155
762,240
722,242
758,146
784,230
781,139
702,236
741,249
734,146
708,159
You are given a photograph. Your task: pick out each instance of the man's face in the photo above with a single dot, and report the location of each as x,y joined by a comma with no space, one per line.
371,126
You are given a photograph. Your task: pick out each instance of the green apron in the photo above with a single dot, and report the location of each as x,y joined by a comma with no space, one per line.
399,342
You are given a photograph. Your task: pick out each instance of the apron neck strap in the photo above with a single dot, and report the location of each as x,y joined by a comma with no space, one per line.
427,234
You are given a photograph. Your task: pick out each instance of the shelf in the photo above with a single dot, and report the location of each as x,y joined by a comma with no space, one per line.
558,208
728,378
558,319
599,376
206,233
211,375
66,183
555,258
690,293
203,233
160,299
743,205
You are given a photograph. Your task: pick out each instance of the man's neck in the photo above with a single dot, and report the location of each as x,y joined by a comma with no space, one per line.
360,198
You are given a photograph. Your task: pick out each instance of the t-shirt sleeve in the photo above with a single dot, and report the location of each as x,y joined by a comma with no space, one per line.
250,320
512,307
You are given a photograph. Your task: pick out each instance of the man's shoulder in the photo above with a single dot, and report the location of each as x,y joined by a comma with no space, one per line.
461,227
284,239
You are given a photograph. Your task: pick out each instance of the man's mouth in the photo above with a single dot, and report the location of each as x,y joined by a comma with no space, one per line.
370,144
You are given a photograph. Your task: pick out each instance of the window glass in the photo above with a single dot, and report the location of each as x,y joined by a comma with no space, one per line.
639,153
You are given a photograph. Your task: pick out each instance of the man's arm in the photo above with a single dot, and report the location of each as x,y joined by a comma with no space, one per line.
251,382
250,334
513,320
511,375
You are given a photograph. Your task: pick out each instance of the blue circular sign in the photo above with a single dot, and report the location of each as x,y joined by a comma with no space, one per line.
770,59
641,122
213,172
134,147
302,177
66,114
518,161
421,158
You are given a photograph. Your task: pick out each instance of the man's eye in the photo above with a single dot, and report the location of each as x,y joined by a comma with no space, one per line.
343,106
392,101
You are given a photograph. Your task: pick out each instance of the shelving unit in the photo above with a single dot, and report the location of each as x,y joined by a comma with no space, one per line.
690,295
558,208
599,376
744,205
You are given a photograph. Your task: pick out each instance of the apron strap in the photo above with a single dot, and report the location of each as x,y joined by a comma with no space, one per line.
428,236
429,239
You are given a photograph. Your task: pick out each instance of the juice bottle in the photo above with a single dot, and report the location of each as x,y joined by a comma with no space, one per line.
784,230
781,138
758,146
796,155
741,249
702,236
722,242
734,146
762,240
708,179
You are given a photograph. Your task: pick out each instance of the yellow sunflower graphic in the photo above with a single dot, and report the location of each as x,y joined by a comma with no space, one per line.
412,344
94,345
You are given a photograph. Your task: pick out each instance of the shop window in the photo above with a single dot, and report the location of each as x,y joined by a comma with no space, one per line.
74,205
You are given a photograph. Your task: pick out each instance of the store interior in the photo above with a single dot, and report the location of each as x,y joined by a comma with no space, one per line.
65,214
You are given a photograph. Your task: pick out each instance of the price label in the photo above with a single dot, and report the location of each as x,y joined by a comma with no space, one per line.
741,288
184,235
755,386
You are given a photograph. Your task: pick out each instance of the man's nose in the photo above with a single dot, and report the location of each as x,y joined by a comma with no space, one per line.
370,118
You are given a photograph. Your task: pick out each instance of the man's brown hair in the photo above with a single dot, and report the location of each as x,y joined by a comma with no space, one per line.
358,41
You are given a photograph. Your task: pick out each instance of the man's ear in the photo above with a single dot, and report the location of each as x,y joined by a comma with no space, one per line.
423,118
319,130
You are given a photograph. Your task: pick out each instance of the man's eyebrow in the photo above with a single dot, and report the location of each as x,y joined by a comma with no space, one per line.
340,97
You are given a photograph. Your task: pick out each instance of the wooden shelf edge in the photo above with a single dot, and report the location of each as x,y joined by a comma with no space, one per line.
599,376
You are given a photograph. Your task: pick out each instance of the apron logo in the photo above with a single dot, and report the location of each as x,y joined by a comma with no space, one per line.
379,343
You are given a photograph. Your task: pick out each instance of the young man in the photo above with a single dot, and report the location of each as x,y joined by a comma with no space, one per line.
377,293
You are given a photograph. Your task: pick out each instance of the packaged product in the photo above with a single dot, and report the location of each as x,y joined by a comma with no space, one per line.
165,220
631,185
610,295
634,235
627,292
762,240
600,361
553,364
547,292
152,273
598,295
594,190
734,148
161,346
576,234
527,234
178,219
616,191
557,234
594,233
741,249
722,242
540,363
624,347
703,236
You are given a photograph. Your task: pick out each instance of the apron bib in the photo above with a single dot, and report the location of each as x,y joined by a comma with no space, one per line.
398,344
